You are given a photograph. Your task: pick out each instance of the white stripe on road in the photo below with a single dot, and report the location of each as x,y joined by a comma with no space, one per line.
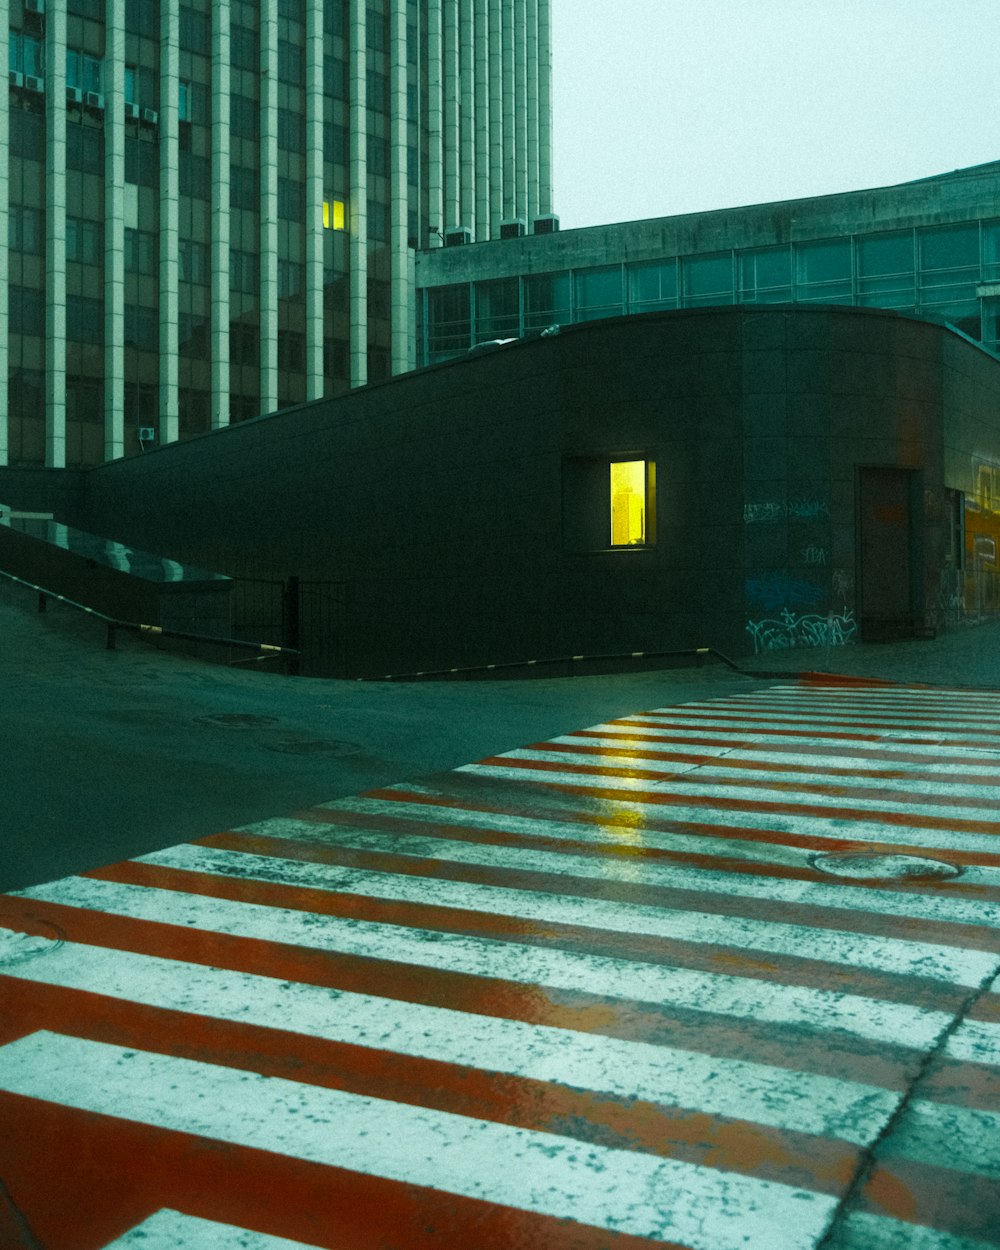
532,1171
975,1041
780,760
779,1097
171,1230
950,964
741,997
898,740
950,909
734,778
706,793
864,1231
821,712
965,1139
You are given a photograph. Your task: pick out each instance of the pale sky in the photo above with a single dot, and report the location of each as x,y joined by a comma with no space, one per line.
675,106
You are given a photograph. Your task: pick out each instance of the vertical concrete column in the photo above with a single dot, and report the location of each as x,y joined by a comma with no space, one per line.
521,107
531,110
55,238
220,212
544,107
269,206
467,118
401,292
4,248
314,199
435,123
114,232
452,107
359,192
508,127
496,115
169,216
482,118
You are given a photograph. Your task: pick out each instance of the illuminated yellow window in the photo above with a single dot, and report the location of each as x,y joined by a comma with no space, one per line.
629,503
333,215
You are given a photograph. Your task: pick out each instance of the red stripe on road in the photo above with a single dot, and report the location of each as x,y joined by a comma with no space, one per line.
740,833
789,1157
939,1197
770,766
661,799
618,1017
88,1178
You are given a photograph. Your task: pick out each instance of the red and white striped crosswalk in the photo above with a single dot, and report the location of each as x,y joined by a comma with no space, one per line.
722,976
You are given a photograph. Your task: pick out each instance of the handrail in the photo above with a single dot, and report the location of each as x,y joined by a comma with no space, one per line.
114,624
698,652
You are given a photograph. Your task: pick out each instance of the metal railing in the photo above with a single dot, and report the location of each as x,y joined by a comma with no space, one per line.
114,624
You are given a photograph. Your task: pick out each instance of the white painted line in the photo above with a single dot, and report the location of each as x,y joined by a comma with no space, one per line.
171,1230
823,712
964,1139
975,1041
864,1231
811,827
949,964
537,1172
741,997
782,759
704,793
952,909
779,1097
809,729
768,776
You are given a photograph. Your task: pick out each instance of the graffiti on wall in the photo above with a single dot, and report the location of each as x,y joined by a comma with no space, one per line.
794,510
789,629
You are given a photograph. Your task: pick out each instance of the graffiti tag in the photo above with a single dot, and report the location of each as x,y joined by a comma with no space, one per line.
790,630
796,510
776,590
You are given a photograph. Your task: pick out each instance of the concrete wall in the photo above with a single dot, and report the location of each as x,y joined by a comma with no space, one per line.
453,505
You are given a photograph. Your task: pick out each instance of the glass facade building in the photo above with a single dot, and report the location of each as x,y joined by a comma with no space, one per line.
930,248
211,207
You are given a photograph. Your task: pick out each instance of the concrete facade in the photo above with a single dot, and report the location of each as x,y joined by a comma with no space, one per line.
821,475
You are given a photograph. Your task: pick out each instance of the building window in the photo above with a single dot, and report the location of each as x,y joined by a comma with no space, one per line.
629,503
333,215
25,54
290,63
598,293
289,278
291,130
142,328
823,271
142,18
140,251
707,280
243,116
243,271
244,52
448,320
85,149
290,202
765,276
26,230
25,310
546,300
82,71
84,242
335,143
243,190
652,285
194,31
498,313
84,319
886,269
192,261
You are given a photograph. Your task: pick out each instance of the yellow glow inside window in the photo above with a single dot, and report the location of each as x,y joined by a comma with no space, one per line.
333,214
628,503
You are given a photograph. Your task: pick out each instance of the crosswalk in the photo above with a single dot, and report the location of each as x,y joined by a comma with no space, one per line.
720,976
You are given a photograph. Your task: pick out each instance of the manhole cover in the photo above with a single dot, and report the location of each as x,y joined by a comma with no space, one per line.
871,866
236,720
17,945
312,746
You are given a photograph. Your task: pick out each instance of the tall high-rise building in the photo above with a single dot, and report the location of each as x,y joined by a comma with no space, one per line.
214,204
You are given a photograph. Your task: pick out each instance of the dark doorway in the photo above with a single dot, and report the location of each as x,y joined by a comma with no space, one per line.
886,556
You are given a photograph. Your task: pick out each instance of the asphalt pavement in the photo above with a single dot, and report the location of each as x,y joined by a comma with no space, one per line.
110,754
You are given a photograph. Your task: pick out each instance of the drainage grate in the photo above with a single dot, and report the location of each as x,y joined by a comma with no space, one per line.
236,720
872,866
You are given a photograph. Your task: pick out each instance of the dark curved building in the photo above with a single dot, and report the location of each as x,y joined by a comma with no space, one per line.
744,478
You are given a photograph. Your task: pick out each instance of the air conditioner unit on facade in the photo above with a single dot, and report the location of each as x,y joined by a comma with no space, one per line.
131,111
34,6
16,79
146,434
457,236
74,95
94,100
150,116
34,84
548,224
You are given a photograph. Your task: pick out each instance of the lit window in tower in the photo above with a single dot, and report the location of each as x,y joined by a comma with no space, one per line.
333,215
